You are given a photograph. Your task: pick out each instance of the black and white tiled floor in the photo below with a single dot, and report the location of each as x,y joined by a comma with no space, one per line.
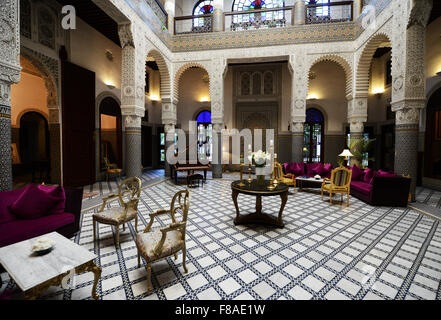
324,252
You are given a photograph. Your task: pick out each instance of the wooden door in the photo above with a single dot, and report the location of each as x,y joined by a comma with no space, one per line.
78,117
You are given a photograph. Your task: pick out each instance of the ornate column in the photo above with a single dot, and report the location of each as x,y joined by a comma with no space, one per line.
218,15
409,86
132,96
299,91
217,74
357,116
169,7
9,74
299,12
169,119
297,142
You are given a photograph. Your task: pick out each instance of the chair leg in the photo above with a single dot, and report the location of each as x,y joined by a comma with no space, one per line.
176,256
184,256
117,235
124,227
341,196
330,198
94,229
322,194
136,223
139,260
347,196
149,278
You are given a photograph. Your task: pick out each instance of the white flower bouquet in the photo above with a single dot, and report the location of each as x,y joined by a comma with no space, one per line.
259,158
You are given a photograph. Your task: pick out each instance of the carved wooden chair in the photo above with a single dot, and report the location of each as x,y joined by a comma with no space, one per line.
340,182
156,244
111,169
288,178
129,192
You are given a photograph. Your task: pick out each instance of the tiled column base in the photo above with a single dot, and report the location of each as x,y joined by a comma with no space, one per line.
55,150
216,168
167,169
5,149
297,147
406,147
133,152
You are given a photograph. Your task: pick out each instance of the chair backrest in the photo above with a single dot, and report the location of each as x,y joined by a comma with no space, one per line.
278,170
341,177
180,202
129,192
106,163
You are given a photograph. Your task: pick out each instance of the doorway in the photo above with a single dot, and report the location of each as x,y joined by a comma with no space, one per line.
110,132
314,128
432,150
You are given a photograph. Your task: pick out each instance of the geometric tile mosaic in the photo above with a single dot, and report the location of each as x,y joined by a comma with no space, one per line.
323,252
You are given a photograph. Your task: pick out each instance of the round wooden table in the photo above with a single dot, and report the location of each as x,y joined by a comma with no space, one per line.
259,191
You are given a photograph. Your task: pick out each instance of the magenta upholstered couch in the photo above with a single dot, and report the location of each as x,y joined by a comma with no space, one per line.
13,229
377,188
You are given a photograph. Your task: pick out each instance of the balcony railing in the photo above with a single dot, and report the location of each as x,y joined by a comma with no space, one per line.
258,19
159,10
329,12
194,24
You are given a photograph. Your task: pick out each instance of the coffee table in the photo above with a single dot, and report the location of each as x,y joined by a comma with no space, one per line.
259,191
311,181
34,274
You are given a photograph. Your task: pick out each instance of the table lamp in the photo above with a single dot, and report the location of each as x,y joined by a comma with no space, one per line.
346,154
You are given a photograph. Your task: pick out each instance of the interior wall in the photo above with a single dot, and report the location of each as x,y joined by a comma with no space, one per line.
329,87
433,55
94,58
192,91
153,103
29,94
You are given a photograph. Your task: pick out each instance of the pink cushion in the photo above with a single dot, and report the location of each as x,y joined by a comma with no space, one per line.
58,193
361,186
375,174
33,203
20,230
357,173
368,174
321,170
299,169
310,169
7,198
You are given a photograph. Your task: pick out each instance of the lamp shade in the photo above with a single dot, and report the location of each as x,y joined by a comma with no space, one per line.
346,153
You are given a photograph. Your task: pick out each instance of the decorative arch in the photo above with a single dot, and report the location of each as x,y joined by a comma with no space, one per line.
364,63
182,70
27,110
342,62
48,77
165,89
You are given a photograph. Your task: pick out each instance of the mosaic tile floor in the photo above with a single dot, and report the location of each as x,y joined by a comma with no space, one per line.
324,252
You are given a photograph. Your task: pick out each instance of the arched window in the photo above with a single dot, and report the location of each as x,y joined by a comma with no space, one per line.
201,8
246,5
313,136
205,133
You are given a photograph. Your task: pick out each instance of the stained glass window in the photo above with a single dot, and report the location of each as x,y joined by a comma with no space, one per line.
313,136
201,8
205,134
245,5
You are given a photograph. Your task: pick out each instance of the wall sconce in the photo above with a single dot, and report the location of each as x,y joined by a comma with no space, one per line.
153,98
378,92
312,97
205,99
110,85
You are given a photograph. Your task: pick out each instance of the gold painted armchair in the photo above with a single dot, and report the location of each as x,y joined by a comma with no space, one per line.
340,182
156,244
111,169
129,192
288,178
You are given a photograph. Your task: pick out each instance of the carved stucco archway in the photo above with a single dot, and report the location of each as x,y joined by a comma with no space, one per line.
364,63
182,69
166,86
343,63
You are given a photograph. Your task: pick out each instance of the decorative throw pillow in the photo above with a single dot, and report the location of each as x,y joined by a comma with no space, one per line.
357,173
287,167
321,170
58,193
368,174
33,203
298,170
375,174
328,167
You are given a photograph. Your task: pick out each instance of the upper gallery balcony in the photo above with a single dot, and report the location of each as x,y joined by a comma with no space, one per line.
258,15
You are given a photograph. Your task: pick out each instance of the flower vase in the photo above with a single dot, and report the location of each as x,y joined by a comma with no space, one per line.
260,175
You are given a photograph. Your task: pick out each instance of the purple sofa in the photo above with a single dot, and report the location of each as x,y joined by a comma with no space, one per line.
14,230
379,189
